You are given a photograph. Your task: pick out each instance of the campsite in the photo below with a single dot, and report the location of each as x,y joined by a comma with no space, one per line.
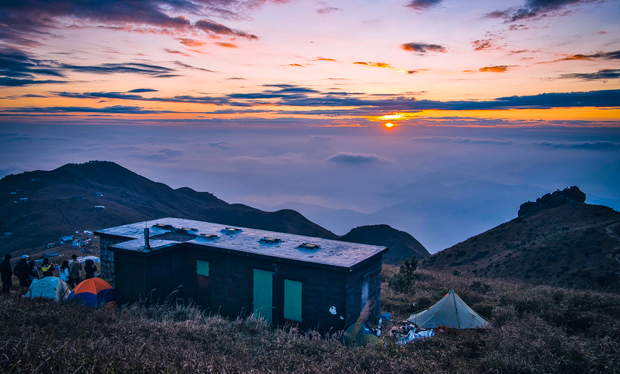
534,329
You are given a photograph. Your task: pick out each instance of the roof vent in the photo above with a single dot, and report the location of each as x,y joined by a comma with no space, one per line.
230,231
188,230
163,226
208,236
309,246
266,240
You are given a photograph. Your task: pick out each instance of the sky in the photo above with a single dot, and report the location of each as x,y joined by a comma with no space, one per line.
334,104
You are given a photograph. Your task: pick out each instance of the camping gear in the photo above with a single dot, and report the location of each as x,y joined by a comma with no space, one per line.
451,312
49,288
413,335
363,336
93,292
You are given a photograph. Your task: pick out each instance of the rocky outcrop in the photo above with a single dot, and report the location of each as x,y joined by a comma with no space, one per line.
552,200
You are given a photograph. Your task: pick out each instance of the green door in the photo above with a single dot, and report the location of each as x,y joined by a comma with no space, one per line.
263,294
292,300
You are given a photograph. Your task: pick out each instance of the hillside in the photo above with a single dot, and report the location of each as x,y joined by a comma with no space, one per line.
536,329
557,240
63,200
401,244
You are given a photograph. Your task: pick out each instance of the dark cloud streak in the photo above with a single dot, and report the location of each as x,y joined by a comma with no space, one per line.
537,9
23,22
423,47
423,5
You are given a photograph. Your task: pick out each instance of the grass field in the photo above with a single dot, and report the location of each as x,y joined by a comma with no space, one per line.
536,329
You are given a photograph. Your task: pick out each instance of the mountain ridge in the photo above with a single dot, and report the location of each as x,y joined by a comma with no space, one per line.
558,241
63,200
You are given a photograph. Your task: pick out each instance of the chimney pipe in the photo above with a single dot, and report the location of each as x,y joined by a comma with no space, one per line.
147,247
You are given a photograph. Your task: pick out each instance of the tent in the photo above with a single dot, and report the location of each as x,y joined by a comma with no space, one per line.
93,292
49,288
363,336
451,311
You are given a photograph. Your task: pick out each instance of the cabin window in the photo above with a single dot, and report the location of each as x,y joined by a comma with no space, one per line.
292,300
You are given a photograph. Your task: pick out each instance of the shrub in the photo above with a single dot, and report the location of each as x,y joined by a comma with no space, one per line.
406,277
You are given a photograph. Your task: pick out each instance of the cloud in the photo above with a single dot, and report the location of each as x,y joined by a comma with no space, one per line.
422,5
182,64
328,10
170,152
461,140
288,92
596,146
363,104
222,144
495,69
11,82
613,55
19,69
481,44
116,109
191,42
601,74
353,158
174,51
226,45
537,9
125,96
423,47
298,65
26,22
325,59
218,28
384,66
140,90
111,68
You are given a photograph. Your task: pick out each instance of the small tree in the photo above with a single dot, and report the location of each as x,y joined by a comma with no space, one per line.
406,277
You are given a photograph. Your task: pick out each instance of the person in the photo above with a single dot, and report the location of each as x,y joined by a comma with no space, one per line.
90,269
7,274
47,268
63,272
22,272
74,271
33,272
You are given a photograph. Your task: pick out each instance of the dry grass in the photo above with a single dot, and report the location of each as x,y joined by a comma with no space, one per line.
537,329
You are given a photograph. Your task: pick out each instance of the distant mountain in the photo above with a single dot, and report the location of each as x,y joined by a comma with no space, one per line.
401,244
39,206
338,221
557,240
440,216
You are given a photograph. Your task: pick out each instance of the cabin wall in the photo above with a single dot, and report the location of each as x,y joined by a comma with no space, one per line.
369,273
330,298
231,286
130,277
106,257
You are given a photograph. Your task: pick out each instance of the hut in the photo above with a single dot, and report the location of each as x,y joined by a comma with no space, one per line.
284,278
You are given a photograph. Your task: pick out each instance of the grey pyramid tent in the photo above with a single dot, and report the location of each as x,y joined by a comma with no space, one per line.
451,311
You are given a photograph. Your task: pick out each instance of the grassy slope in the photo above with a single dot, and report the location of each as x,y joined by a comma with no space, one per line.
536,329
571,245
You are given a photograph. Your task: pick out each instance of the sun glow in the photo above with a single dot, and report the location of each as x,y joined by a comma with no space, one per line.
389,125
392,117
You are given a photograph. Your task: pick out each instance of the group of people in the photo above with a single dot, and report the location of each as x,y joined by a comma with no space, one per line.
26,272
